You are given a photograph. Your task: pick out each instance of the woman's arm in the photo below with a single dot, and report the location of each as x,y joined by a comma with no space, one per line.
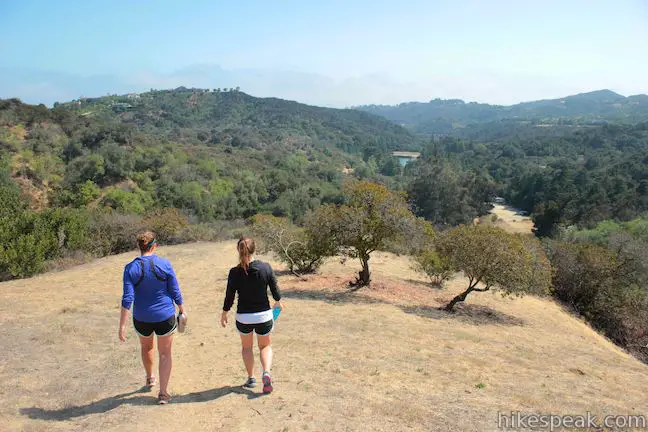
128,296
274,288
229,297
174,288
230,292
272,283
123,316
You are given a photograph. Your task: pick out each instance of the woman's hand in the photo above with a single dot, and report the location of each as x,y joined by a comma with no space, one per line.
181,308
123,315
279,305
224,318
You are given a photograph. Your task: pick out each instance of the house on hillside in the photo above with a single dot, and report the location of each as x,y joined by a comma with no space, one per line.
405,157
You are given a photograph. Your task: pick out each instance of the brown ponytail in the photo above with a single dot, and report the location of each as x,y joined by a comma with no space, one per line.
245,248
145,241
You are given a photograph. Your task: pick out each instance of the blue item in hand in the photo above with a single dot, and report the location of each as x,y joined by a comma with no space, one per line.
275,313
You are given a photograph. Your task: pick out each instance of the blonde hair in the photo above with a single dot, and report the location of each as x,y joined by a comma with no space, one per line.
145,241
246,247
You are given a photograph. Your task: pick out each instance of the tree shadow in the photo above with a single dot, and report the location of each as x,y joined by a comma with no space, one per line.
468,313
423,284
349,296
112,402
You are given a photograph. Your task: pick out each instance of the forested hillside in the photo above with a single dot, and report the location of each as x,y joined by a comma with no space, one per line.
82,175
452,116
214,154
578,178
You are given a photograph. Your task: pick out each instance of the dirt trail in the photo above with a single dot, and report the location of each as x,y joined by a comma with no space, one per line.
509,219
383,359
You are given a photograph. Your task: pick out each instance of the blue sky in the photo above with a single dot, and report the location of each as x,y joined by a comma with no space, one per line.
334,53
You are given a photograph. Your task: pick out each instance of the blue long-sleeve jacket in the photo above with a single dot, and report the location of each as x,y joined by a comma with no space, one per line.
153,292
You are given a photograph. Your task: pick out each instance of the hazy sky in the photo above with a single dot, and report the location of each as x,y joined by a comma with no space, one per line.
335,53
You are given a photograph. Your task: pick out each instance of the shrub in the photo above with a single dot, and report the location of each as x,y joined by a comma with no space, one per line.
166,223
581,273
112,233
292,245
135,201
420,240
87,192
30,238
25,256
438,269
603,285
213,231
539,280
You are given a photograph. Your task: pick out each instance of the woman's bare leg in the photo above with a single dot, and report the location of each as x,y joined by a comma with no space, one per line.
166,361
247,345
147,345
265,351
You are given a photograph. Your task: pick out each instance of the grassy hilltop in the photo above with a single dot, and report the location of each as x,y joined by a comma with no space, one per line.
378,359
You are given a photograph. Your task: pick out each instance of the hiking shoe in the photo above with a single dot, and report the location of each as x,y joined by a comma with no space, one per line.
267,383
163,398
250,383
150,382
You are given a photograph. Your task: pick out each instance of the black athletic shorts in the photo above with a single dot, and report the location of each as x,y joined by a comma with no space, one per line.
262,329
162,328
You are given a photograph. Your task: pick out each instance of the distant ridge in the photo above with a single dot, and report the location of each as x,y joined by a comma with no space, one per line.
444,116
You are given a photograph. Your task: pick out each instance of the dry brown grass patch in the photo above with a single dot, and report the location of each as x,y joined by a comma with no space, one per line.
380,358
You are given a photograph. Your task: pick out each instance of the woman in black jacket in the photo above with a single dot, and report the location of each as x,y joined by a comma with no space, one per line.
251,279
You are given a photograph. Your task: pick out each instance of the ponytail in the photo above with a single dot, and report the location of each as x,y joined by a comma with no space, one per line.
245,248
145,241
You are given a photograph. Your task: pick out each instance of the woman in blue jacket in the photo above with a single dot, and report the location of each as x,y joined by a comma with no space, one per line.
151,286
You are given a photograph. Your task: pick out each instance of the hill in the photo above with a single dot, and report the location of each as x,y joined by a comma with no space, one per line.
379,359
215,154
445,116
229,116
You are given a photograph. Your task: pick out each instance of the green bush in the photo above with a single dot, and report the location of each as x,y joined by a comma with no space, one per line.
491,258
135,201
604,285
438,269
24,256
373,218
291,244
166,223
88,192
29,239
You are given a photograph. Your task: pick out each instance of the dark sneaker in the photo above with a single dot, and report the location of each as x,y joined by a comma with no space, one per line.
267,383
250,383
163,398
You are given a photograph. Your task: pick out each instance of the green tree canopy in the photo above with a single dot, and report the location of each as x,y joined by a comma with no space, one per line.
492,258
371,217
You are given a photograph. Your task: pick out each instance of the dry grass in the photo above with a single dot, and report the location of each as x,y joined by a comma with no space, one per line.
375,359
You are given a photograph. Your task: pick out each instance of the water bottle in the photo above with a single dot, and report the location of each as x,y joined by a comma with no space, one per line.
275,313
182,322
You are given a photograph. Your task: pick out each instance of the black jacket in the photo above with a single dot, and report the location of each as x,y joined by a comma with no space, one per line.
252,288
